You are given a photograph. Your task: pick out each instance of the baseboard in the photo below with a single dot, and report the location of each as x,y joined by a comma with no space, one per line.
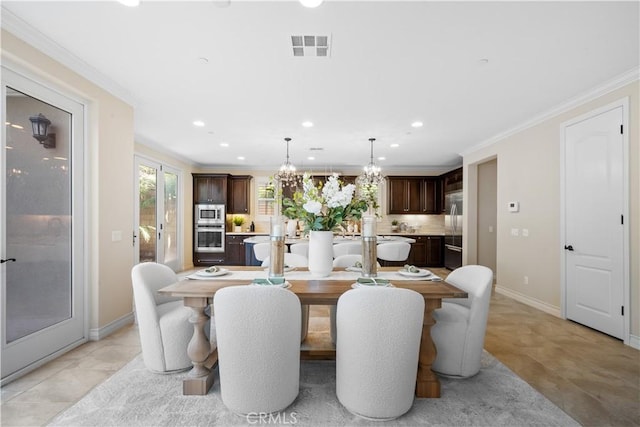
100,333
634,341
532,302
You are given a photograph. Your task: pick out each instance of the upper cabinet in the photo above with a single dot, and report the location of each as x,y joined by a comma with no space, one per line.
413,195
209,188
452,181
239,194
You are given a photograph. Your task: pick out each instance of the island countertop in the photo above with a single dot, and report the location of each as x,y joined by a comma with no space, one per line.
336,239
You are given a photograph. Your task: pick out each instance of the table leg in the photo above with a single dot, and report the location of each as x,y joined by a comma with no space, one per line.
200,378
428,384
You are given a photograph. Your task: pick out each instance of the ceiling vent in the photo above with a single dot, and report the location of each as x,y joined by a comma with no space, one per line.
316,149
316,46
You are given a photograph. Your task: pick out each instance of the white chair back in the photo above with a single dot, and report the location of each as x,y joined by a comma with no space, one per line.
461,323
261,250
258,333
292,260
300,249
163,322
349,260
347,248
393,251
379,332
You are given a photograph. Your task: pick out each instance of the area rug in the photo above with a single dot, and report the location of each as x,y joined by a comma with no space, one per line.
136,397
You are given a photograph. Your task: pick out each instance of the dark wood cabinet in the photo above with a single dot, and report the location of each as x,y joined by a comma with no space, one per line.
239,194
413,195
234,250
449,182
209,188
208,259
426,251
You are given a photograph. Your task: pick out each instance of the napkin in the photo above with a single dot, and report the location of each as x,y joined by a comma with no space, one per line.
270,281
411,268
370,281
213,269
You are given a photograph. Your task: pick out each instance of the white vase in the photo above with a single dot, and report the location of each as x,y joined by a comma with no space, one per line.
320,253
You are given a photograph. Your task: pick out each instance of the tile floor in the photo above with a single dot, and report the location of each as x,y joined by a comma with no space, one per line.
592,377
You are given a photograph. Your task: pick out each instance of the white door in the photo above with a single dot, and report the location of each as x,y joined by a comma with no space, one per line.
157,221
41,226
594,223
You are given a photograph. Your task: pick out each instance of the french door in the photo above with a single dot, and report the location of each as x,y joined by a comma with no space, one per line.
157,216
41,225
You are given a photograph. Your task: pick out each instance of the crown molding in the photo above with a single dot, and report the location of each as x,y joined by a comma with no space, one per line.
603,89
29,34
139,139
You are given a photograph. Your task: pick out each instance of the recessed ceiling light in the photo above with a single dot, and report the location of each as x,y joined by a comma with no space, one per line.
130,3
311,3
311,158
394,145
198,123
382,158
416,124
224,144
307,124
240,157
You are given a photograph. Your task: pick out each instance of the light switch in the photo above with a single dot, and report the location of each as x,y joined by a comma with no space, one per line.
525,232
491,229
515,232
116,236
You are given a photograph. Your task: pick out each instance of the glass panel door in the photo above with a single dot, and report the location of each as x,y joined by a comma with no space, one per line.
148,220
157,213
42,232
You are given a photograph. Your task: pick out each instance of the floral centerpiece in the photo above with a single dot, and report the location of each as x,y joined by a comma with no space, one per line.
323,208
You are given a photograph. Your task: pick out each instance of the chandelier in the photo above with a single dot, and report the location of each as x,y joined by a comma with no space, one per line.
372,174
287,174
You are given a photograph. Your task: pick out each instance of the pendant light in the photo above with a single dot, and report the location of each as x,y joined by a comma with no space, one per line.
287,174
372,174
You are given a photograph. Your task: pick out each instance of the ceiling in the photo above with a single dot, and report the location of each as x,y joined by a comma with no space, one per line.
469,71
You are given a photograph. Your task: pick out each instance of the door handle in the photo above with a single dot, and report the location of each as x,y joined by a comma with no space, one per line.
569,248
2,261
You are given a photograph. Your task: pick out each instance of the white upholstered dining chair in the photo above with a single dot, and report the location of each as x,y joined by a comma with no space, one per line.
296,260
163,321
261,250
300,249
347,248
461,323
393,251
258,331
377,353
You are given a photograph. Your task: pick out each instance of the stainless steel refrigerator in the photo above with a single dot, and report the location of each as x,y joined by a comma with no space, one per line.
453,230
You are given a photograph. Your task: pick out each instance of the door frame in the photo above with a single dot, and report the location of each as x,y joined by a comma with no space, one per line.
626,288
49,92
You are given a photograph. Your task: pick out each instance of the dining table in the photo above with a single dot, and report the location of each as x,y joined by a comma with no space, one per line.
198,291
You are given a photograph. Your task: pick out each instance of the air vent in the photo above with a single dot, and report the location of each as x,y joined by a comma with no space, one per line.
316,149
306,45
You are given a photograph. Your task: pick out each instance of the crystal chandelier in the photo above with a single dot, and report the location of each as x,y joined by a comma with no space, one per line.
372,174
287,174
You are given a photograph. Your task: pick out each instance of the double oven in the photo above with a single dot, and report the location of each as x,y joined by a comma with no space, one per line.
209,223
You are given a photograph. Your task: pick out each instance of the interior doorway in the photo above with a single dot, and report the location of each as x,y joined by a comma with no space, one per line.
487,215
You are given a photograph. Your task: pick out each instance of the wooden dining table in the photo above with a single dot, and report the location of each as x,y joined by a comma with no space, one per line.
198,295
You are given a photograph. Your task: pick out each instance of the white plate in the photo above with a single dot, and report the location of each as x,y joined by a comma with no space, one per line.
285,285
354,269
220,272
359,285
419,273
286,269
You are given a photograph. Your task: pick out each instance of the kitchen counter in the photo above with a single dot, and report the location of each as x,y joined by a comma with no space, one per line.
336,239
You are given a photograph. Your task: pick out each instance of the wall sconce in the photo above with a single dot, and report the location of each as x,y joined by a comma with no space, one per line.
39,126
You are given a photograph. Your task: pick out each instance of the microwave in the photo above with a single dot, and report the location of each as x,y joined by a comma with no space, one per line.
209,214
